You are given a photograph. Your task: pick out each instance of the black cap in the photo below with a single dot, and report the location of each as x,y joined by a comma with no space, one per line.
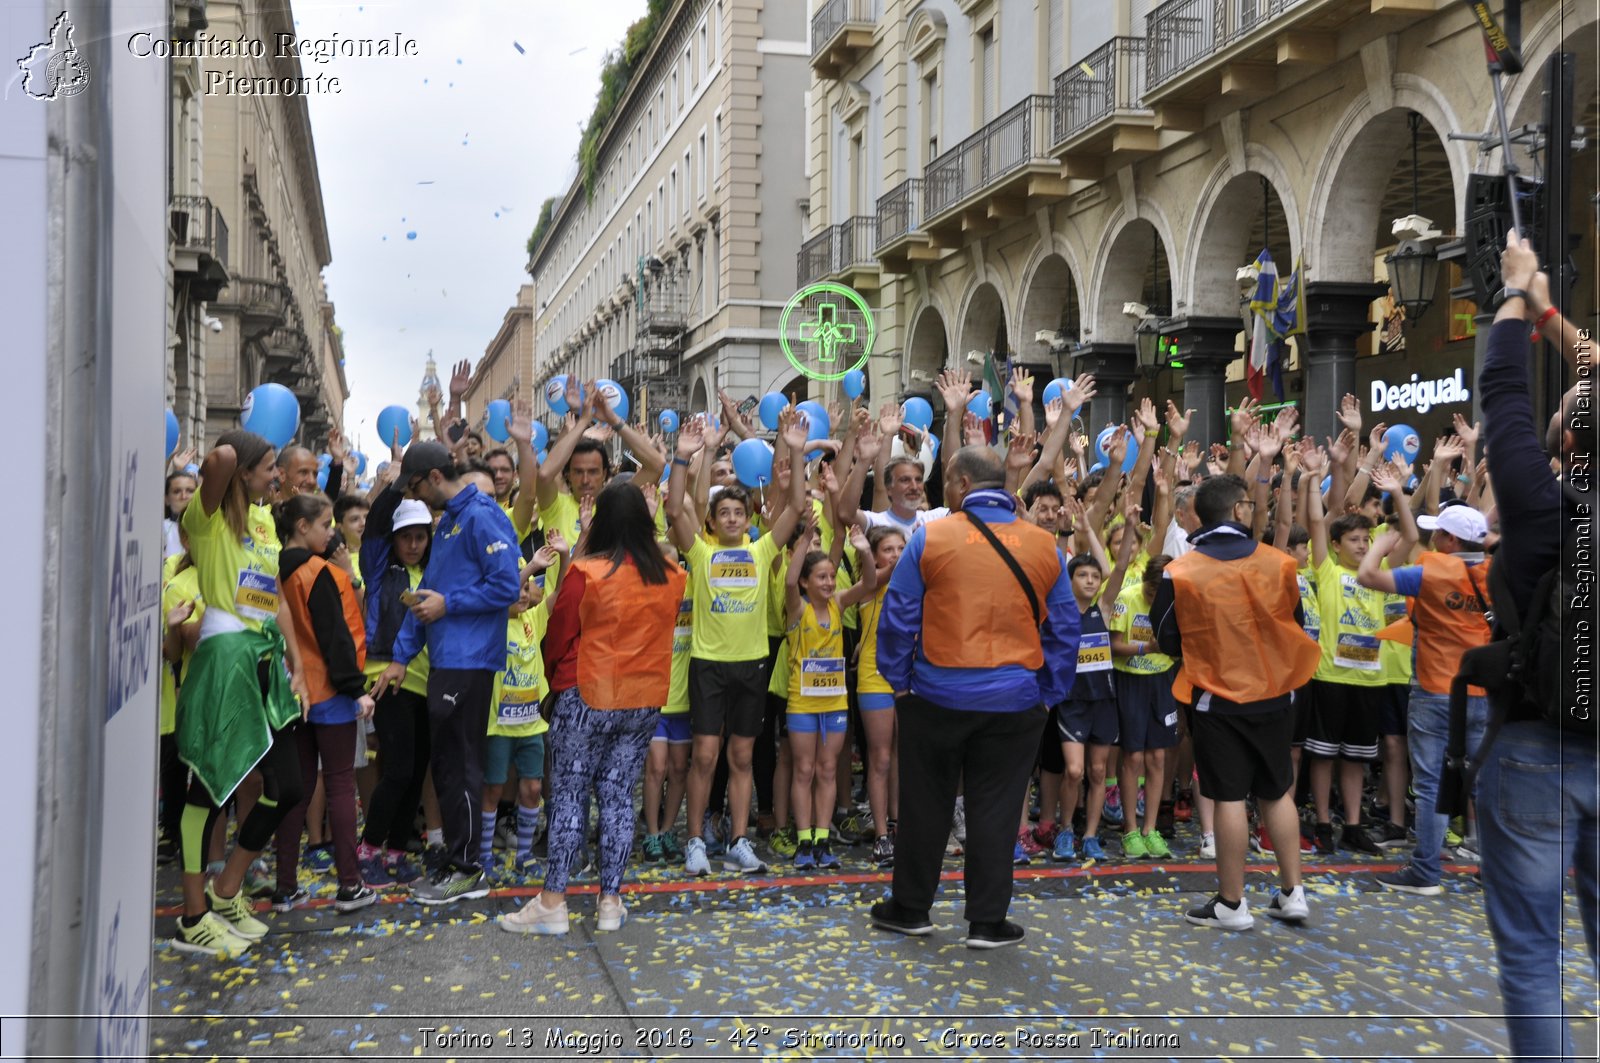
422,458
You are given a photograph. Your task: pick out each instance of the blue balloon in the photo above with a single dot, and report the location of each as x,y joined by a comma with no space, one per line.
543,456
272,412
192,469
935,440
981,405
1100,442
917,412
752,462
854,383
1327,482
541,436
669,420
1057,389
172,433
497,420
1097,466
1401,439
1131,458
555,393
772,404
324,460
394,426
816,417
359,461
615,397
382,465
322,479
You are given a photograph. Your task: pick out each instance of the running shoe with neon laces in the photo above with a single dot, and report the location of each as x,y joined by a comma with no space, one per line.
784,842
805,857
652,851
1289,905
1112,812
451,884
852,829
211,936
318,858
670,846
827,859
883,851
1065,848
1133,847
695,861
1451,838
741,857
1218,913
1155,845
353,898
1019,855
238,912
1029,846
289,900
1092,850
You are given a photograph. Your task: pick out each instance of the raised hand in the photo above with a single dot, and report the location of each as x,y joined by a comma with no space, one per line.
544,557
1285,422
890,419
955,387
1019,452
1116,448
1375,438
1448,449
1052,412
185,458
1243,417
519,426
1081,391
793,430
869,444
601,432
460,380
1384,478
691,438
1269,443
557,542
1021,385
1178,420
858,540
972,434
338,447
602,408
1313,459
1468,433
434,396
180,612
1144,420
1340,449
1350,413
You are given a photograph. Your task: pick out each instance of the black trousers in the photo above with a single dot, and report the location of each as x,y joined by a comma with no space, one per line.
990,756
402,723
458,721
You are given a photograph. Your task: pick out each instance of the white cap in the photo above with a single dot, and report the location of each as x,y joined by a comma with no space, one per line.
1464,522
411,513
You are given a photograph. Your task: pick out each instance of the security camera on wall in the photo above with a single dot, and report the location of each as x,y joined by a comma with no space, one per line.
1137,311
974,357
921,377
1056,341
214,324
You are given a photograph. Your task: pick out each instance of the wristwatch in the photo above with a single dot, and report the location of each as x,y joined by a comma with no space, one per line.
1509,293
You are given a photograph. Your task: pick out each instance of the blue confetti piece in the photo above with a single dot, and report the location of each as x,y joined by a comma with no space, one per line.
458,62
411,235
497,213
520,49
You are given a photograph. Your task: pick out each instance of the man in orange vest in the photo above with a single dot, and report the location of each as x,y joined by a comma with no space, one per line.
1231,609
1449,588
979,632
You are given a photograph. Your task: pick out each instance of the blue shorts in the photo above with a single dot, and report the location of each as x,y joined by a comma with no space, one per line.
823,723
501,751
1148,715
874,702
1089,722
673,729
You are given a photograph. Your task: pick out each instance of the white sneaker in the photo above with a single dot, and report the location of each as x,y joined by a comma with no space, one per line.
694,857
535,918
1289,905
612,913
743,859
1215,913
1208,846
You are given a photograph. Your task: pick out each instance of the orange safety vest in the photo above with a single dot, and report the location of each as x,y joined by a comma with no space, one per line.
625,650
1240,638
979,617
1450,619
297,592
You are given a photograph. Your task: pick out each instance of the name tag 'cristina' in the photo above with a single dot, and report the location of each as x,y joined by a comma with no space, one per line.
1094,651
1357,651
256,597
732,568
821,677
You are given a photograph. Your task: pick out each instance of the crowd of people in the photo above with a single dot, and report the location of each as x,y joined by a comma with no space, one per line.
1062,660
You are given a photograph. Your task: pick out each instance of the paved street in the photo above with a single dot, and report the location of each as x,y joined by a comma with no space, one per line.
787,968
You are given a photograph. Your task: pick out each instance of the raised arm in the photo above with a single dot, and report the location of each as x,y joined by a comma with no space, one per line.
1393,478
1371,572
867,585
868,446
1161,511
519,426
691,440
955,388
1125,551
1368,461
560,451
794,605
216,472
793,437
1312,461
1283,522
1021,386
1555,327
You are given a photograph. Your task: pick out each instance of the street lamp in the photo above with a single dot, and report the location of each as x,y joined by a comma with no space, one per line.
1414,264
1147,346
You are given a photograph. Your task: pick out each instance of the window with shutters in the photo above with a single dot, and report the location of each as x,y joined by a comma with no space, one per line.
930,118
1056,28
988,76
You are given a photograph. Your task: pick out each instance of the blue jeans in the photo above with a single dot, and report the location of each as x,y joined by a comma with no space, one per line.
1537,813
1427,733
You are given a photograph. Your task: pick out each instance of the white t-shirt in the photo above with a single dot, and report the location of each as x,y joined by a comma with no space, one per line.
887,519
1177,543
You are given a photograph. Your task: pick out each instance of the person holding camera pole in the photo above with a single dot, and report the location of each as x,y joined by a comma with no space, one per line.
1539,792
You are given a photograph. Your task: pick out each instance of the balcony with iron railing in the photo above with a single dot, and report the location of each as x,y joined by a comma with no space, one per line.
855,244
901,240
262,305
815,259
994,173
1200,50
1100,109
200,245
841,32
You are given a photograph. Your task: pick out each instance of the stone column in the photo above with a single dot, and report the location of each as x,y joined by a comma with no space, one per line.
1205,347
1336,312
1114,365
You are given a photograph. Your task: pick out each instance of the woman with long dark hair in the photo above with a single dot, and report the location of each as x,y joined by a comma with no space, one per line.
608,654
237,708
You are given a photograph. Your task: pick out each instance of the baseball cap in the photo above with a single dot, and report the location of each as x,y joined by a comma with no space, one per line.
422,458
410,513
1464,522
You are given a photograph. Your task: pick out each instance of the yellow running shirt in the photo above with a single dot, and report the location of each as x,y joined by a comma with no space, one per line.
1351,616
730,599
816,662
239,577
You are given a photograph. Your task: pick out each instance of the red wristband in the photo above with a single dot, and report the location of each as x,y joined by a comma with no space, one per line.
1546,316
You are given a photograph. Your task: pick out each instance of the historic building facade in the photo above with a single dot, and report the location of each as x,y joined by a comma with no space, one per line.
1011,175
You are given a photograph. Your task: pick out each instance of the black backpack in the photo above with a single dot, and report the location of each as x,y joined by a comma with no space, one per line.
1541,666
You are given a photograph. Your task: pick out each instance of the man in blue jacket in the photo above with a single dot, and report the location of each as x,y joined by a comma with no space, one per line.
979,633
459,610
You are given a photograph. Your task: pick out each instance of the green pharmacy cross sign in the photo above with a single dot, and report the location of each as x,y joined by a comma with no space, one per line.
832,334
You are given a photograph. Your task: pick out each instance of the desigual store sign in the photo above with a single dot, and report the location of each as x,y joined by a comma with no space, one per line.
1418,395
1423,389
